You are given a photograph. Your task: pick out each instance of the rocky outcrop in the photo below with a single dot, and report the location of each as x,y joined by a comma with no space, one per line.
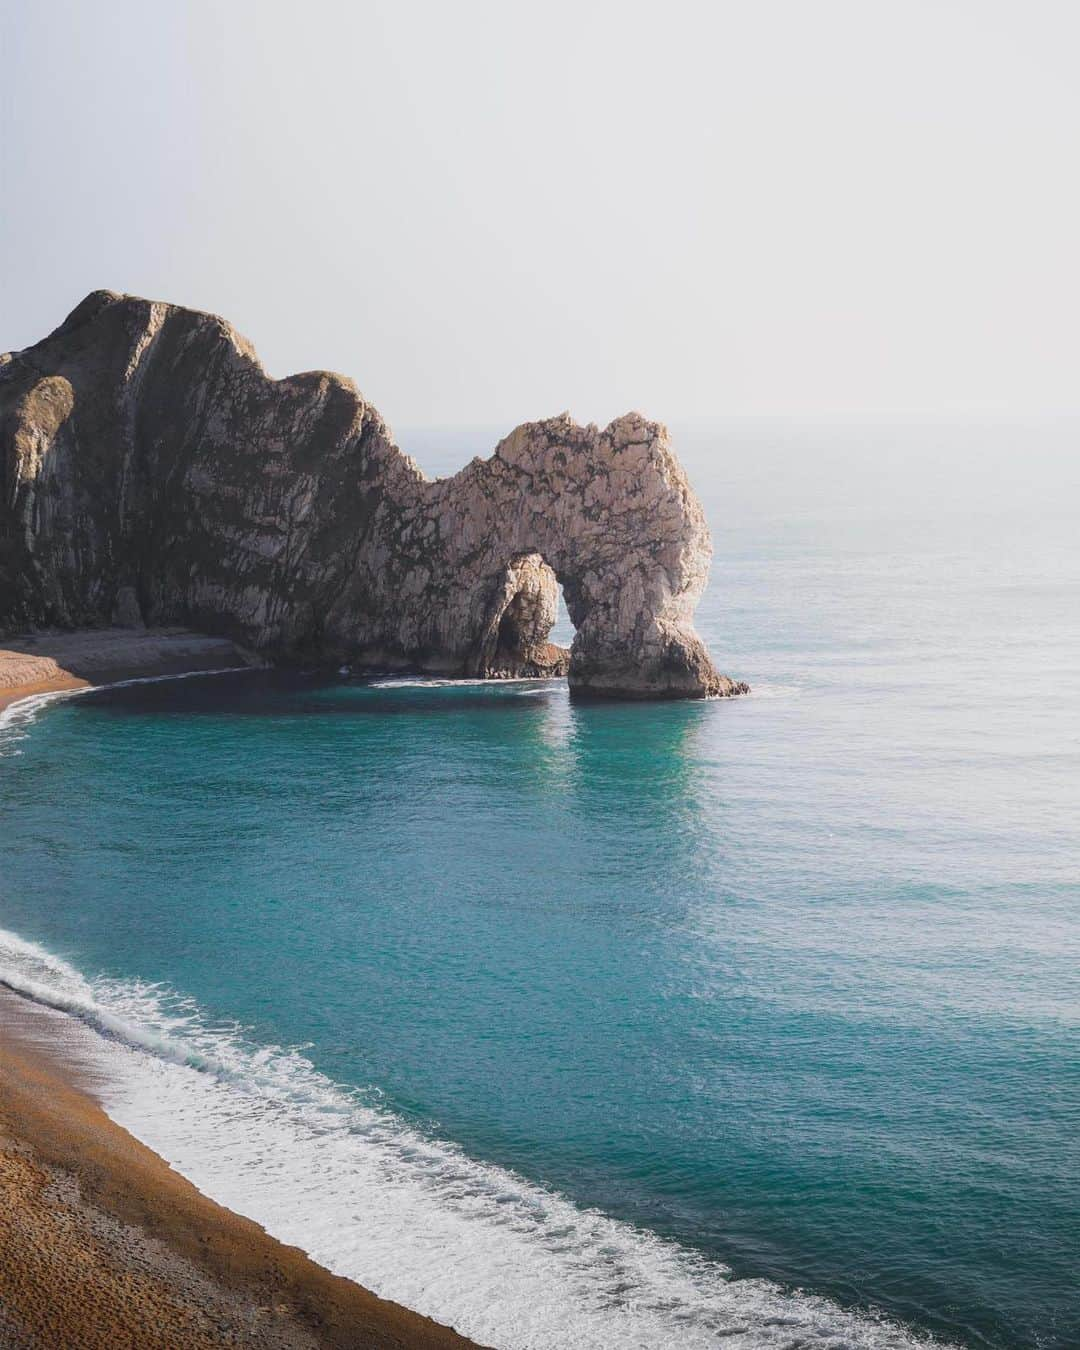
154,473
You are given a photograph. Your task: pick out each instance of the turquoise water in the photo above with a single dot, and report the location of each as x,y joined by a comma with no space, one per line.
790,982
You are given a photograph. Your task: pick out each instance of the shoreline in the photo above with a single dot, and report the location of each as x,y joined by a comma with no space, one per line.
60,662
103,1243
61,684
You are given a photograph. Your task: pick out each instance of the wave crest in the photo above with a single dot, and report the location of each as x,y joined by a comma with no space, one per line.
413,1217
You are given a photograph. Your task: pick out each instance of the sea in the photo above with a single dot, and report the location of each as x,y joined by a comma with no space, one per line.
747,1023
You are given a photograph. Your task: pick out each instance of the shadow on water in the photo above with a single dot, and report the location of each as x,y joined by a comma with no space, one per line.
271,693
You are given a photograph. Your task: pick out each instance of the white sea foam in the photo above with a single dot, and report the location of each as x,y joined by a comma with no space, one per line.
433,682
415,1218
17,716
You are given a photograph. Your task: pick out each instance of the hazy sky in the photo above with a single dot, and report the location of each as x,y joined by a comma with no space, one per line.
485,213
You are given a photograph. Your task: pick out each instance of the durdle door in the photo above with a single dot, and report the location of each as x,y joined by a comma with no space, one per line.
154,473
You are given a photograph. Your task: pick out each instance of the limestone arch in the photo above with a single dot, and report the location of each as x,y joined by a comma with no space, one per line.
611,514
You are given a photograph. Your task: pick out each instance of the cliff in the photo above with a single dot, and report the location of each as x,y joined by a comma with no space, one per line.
153,472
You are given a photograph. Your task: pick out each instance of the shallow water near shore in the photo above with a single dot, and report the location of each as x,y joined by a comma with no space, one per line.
744,1023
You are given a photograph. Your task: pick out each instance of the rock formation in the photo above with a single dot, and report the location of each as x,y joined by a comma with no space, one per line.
153,472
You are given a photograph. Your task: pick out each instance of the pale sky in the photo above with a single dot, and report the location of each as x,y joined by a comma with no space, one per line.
486,213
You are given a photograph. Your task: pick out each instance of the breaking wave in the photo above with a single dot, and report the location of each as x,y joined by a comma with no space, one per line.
410,1216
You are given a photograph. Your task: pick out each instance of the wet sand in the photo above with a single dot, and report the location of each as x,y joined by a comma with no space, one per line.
103,1246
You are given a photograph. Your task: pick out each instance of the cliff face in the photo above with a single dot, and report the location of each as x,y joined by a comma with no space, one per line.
153,472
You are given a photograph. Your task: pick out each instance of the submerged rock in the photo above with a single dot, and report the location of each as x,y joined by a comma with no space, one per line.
154,473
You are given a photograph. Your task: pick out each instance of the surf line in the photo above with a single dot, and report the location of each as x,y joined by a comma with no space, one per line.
23,710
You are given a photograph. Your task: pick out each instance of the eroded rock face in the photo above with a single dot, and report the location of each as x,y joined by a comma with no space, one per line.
153,472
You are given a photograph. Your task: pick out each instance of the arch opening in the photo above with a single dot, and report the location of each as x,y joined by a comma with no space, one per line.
520,615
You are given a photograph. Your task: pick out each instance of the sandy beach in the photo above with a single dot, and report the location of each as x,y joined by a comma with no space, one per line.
102,1244
41,663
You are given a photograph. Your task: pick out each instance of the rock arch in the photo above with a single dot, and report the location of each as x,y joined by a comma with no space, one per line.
178,482
611,513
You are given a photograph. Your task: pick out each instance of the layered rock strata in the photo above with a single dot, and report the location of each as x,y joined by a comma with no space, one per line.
154,473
